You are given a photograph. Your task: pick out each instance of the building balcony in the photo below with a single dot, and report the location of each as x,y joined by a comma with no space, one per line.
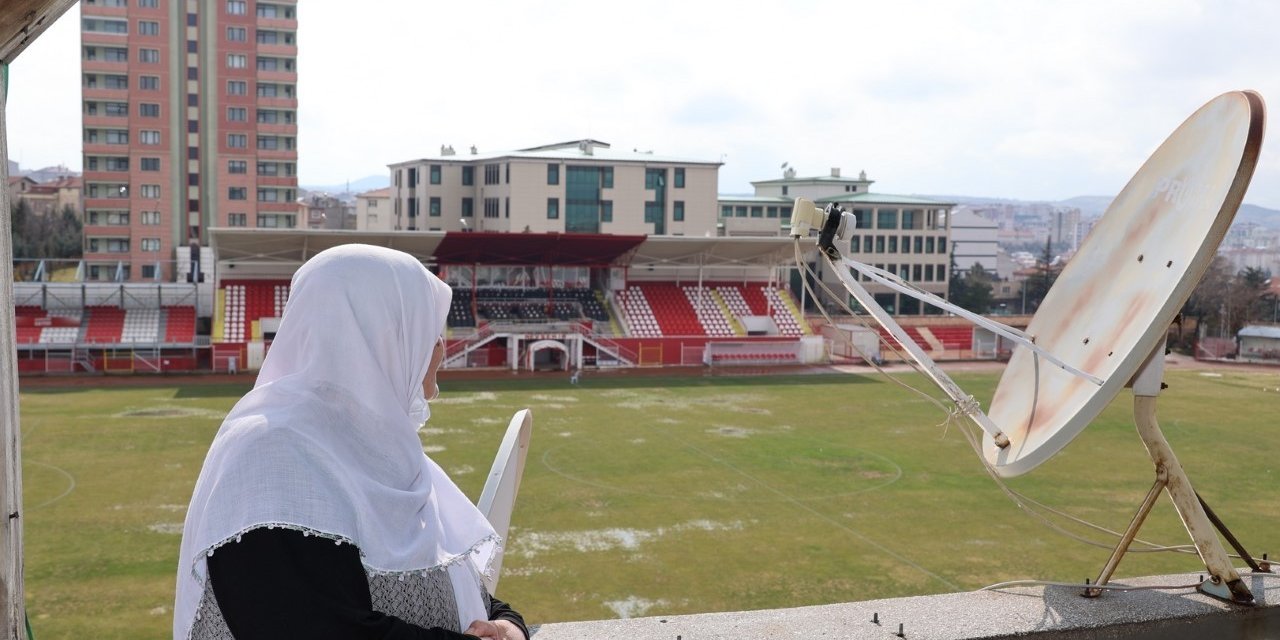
99,93
103,149
277,103
278,181
103,66
289,77
278,154
278,50
278,24
277,207
278,129
106,122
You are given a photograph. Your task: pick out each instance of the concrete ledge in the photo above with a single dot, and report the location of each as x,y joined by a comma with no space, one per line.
1039,612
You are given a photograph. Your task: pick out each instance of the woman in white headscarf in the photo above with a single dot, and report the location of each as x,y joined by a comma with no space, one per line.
317,514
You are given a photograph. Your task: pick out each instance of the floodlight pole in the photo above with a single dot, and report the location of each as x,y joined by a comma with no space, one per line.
1224,582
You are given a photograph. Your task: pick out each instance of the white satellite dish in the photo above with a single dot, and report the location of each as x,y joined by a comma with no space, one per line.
1102,325
498,499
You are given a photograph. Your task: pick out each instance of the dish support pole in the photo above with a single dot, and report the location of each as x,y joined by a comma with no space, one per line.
1223,582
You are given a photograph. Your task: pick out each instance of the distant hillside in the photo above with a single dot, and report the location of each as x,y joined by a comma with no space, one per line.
1091,206
366,183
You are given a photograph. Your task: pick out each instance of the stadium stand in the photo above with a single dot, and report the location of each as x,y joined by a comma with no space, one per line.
638,314
180,325
104,325
783,311
141,326
710,311
245,302
958,338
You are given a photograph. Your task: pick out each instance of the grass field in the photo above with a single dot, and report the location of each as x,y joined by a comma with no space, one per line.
648,496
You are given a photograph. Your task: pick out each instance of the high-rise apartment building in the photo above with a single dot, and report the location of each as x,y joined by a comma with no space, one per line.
190,122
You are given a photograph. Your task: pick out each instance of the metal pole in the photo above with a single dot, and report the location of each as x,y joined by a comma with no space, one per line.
11,594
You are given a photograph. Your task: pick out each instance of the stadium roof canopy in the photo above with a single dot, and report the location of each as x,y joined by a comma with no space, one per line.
247,248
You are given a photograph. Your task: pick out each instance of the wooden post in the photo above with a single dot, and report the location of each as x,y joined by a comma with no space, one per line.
11,595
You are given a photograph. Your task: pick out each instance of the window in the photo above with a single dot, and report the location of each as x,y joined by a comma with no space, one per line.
109,54
757,211
148,4
268,11
272,195
237,88
906,245
193,99
553,205
151,244
151,191
237,193
115,82
193,46
928,245
237,140
866,244
109,218
413,207
468,207
606,211
677,214
237,34
237,61
468,176
942,245
237,114
506,178
553,177
270,220
268,142
893,244
237,166
237,219
492,172
268,64
784,189
679,177
149,56
99,25
149,137
433,207
193,126
149,83
237,7
108,245
879,244
740,211
268,169
886,218
151,218
148,28
108,164
435,174
606,178
149,164
413,177
862,217
149,110
655,178
490,205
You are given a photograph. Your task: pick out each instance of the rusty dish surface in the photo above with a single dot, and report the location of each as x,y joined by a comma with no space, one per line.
1117,297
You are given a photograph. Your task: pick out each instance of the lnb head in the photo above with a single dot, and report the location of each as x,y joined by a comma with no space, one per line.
807,216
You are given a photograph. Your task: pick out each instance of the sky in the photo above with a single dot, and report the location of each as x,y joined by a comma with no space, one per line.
1024,99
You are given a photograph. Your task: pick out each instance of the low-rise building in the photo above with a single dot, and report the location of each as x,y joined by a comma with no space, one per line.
373,210
581,186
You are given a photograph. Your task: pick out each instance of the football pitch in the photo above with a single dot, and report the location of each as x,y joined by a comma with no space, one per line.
658,495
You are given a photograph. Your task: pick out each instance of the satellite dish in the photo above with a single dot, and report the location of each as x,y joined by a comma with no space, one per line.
498,499
1102,325
1113,303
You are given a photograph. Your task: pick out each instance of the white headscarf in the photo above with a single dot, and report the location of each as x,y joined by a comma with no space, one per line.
327,443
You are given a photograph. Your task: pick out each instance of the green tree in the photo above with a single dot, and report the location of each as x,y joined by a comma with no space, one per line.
1038,285
971,289
68,235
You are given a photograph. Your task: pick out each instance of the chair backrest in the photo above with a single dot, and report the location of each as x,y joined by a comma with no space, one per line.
498,499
